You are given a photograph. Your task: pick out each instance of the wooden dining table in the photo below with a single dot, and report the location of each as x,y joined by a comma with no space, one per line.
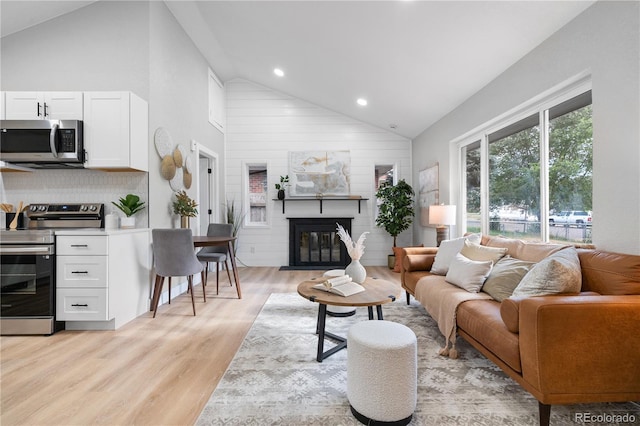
206,241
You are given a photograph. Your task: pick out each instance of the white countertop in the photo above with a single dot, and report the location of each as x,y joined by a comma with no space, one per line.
101,231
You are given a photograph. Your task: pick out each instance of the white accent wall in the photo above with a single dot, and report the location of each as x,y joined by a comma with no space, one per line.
263,126
603,41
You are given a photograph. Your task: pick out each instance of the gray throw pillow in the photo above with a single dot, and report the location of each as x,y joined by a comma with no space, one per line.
558,273
505,277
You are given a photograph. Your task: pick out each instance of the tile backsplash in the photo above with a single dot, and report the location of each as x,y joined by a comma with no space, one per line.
76,186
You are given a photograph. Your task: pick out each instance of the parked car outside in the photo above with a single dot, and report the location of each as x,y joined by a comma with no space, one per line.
571,217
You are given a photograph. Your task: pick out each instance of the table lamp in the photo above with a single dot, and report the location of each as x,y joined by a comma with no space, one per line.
442,216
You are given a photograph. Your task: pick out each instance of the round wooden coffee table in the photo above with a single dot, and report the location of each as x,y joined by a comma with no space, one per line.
377,293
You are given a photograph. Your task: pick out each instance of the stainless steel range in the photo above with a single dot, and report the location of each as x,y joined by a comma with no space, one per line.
65,216
27,270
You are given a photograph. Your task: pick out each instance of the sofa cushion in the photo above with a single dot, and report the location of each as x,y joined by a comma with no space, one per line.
558,273
468,274
510,311
448,250
481,320
531,251
477,252
610,273
505,277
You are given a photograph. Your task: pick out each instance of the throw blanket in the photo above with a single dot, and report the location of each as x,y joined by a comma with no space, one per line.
441,301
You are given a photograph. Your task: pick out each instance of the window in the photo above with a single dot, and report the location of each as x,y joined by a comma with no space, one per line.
514,180
471,155
257,194
216,101
383,173
531,178
570,169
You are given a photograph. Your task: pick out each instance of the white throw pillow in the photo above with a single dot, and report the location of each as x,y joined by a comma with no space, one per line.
468,274
448,250
558,273
475,251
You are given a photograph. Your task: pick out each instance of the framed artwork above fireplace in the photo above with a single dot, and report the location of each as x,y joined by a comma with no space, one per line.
319,173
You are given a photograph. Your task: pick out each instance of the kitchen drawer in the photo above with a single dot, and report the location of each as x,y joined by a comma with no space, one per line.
81,245
81,271
82,304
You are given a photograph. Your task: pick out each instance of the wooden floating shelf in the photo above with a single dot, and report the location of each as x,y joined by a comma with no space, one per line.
320,200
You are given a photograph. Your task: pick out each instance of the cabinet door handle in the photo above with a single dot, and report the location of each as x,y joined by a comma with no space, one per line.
45,109
38,111
79,245
79,272
84,305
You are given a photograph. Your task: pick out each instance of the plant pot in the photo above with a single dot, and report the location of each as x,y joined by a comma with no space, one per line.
184,222
128,222
280,194
391,261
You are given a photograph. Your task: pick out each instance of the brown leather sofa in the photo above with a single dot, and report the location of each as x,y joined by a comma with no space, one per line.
563,349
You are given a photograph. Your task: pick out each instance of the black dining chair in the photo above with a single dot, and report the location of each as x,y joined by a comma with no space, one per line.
217,254
173,256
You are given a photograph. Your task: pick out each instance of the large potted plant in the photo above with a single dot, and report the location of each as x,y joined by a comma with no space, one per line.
129,205
185,207
396,211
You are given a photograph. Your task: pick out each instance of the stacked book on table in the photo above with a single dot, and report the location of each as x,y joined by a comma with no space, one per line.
343,285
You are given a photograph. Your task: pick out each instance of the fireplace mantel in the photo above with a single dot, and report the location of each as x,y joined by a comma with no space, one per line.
321,199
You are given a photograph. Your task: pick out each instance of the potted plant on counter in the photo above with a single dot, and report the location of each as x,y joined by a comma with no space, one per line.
396,210
129,205
185,207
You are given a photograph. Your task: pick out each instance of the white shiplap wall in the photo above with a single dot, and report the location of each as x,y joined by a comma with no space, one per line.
263,126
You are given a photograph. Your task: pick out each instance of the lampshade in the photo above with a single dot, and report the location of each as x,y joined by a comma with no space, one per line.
442,215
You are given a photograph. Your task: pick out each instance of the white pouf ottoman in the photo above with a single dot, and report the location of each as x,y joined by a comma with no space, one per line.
338,311
382,372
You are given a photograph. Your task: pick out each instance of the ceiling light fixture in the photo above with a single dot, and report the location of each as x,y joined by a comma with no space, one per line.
362,102
278,72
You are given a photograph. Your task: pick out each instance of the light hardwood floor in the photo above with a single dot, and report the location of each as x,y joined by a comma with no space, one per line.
151,371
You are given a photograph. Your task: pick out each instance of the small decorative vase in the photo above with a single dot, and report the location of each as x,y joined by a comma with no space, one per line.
356,271
280,194
184,222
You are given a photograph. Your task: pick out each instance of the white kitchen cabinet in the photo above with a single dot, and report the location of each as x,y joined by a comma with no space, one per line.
102,278
116,131
2,102
43,105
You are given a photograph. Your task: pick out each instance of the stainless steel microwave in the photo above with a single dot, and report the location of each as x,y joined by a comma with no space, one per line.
42,143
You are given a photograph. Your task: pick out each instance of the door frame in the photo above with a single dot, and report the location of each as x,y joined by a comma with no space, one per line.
214,179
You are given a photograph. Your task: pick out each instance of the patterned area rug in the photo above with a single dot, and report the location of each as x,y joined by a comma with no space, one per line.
274,378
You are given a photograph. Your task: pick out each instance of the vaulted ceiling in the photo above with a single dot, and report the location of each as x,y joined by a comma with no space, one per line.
413,61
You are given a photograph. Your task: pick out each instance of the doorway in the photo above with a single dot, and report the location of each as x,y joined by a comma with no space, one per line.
208,209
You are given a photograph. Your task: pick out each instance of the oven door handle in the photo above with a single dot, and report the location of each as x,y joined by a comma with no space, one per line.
19,250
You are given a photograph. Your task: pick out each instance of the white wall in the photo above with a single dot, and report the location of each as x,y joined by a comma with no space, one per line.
605,41
263,126
103,46
178,101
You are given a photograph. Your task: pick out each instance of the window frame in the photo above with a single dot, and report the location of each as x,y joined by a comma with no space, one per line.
539,105
246,201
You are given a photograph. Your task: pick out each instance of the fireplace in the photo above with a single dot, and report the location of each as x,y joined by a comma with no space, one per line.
314,243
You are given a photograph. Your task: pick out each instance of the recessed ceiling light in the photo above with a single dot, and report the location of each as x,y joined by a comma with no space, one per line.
362,102
278,72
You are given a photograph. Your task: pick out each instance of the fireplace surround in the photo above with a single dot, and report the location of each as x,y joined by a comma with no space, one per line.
314,242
